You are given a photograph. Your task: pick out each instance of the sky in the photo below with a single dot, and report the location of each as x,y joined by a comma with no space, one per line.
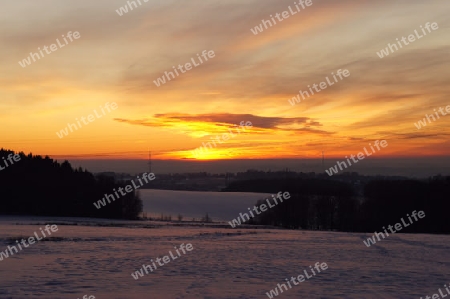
116,59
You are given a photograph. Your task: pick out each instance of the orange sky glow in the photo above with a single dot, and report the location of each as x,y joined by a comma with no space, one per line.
251,78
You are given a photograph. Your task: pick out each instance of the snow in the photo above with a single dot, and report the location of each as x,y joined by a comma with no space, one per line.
222,206
97,257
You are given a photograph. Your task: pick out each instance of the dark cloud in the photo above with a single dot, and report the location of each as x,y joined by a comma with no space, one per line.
228,120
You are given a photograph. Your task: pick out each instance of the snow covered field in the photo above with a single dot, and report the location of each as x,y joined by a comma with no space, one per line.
221,206
97,257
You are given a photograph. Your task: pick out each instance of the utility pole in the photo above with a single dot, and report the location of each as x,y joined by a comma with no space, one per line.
149,161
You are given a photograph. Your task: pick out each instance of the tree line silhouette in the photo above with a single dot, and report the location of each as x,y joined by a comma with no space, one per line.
328,204
42,186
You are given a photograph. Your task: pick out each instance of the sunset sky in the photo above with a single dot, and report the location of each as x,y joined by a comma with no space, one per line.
251,78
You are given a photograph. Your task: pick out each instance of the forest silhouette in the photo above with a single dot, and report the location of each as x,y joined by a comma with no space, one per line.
42,186
329,204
